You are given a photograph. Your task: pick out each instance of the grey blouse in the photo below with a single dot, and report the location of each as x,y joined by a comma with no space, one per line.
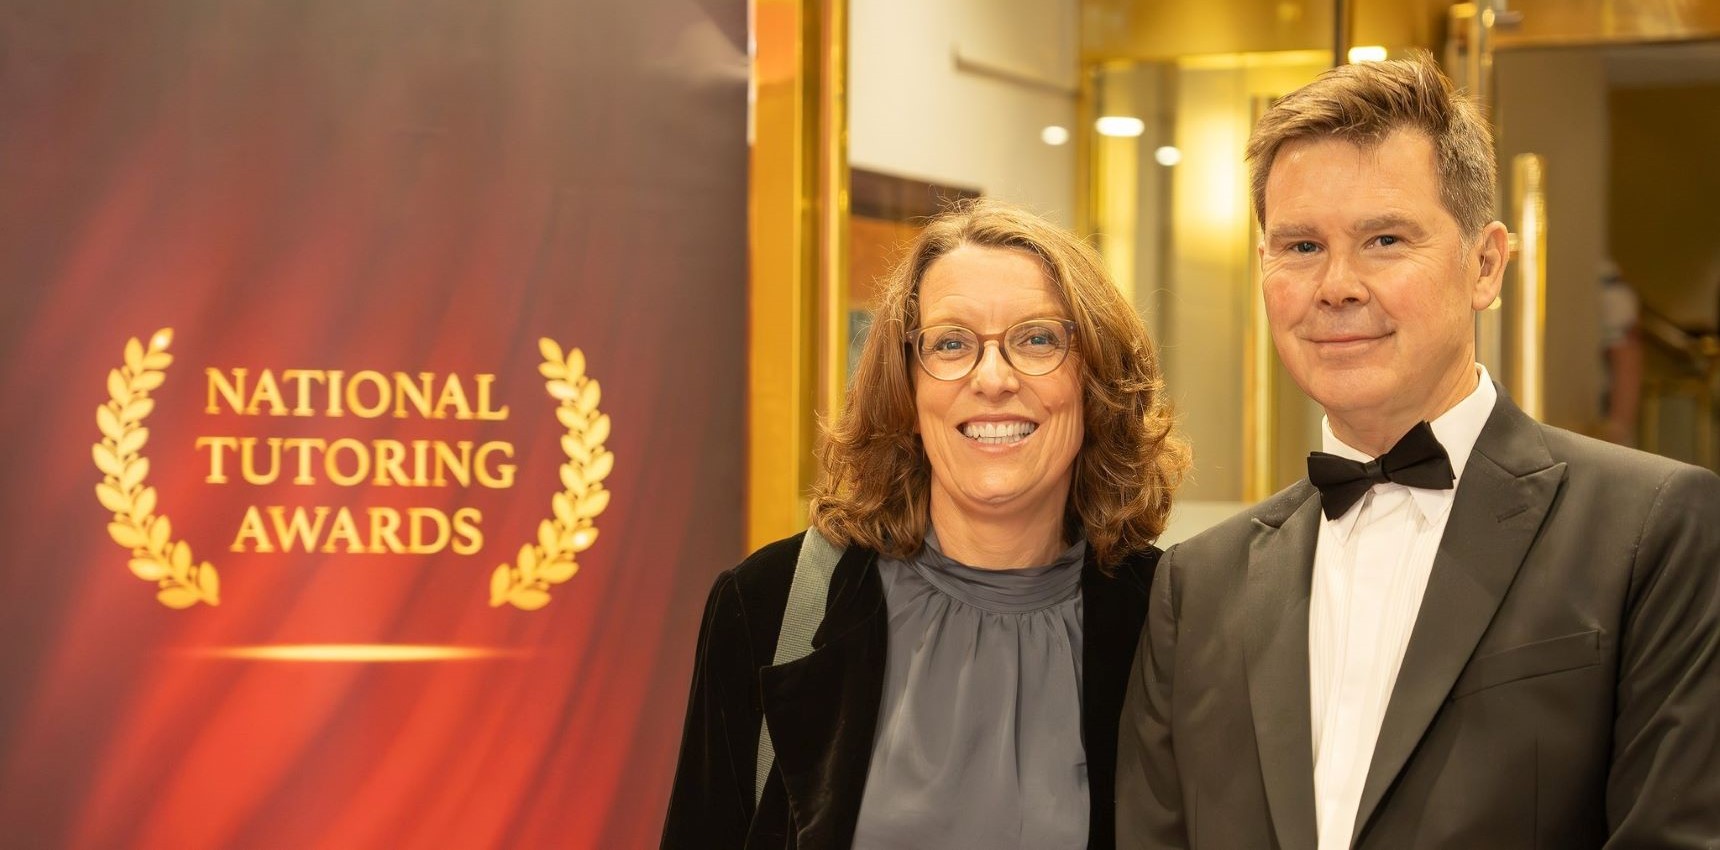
979,733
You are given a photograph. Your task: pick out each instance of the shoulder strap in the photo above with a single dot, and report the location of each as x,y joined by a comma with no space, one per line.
800,620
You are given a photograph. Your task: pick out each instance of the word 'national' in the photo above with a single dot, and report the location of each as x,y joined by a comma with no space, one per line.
365,394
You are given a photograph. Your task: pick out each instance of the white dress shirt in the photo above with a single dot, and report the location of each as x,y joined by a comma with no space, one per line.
1370,570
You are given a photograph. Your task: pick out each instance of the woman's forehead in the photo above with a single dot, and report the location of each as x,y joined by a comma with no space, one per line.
987,283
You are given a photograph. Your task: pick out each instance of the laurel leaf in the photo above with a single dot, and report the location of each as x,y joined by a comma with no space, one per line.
209,584
569,418
112,499
180,560
527,562
116,386
570,479
599,431
157,360
548,539
561,390
148,380
583,538
563,507
559,570
160,531
133,355
106,460
133,441
127,535
593,503
600,467
108,423
136,409
552,371
575,450
135,472
144,504
148,569
575,364
589,396
499,586
529,598
549,349
177,597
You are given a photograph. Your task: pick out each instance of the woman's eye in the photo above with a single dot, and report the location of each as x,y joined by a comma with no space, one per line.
950,343
1035,337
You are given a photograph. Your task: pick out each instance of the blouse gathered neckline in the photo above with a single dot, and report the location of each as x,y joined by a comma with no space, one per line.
1002,591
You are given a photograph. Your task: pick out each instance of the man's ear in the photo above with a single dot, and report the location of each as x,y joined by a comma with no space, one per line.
1492,250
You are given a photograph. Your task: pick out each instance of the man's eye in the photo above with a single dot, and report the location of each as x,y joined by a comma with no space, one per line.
1387,241
1303,247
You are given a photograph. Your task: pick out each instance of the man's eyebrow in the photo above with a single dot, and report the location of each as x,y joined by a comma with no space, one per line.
1386,222
1292,230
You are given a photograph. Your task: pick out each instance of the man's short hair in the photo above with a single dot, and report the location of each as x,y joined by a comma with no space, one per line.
1364,104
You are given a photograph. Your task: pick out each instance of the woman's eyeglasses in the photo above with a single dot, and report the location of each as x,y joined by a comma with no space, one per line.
1032,347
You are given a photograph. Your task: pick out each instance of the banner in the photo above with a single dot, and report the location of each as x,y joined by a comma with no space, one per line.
374,392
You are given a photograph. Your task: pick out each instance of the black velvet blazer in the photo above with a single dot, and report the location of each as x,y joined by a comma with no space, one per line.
823,709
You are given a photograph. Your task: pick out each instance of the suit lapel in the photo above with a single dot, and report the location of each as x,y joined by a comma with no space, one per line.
823,709
1275,605
1507,489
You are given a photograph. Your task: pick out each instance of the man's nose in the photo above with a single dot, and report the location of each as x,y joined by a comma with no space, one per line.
1341,284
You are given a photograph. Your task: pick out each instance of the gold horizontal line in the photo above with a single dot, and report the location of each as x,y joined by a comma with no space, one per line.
356,653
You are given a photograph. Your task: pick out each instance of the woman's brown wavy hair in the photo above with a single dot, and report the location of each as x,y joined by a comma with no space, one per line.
876,480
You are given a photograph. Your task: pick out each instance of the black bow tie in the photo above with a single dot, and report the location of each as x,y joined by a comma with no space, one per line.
1418,460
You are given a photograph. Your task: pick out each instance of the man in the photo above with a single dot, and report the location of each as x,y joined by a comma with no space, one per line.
1495,634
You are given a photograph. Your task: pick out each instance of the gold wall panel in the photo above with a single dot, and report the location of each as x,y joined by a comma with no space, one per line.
797,243
1559,22
1164,30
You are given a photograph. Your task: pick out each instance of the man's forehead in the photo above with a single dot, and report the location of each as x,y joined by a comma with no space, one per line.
1316,161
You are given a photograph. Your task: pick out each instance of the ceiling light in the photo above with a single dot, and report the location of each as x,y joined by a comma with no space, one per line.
1125,126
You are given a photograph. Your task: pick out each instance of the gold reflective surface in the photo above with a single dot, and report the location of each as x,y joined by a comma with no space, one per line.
1526,307
797,243
1164,30
1545,23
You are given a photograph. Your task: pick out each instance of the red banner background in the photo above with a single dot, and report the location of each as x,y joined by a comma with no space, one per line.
363,184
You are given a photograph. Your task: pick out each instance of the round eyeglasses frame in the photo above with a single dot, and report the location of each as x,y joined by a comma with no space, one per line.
912,342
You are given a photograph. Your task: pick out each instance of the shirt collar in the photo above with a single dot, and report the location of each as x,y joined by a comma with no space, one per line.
1457,430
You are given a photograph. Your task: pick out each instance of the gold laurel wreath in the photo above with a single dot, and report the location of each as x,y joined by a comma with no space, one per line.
155,555
525,583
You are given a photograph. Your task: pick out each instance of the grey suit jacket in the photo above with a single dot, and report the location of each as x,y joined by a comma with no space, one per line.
1561,688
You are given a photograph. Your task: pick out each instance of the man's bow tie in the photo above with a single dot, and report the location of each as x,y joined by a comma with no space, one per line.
1418,460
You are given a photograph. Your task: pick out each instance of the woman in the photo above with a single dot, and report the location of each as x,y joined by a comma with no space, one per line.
997,478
